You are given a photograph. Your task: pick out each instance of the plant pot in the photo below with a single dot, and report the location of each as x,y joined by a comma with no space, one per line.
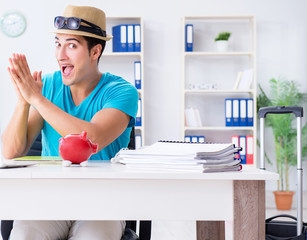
283,199
221,45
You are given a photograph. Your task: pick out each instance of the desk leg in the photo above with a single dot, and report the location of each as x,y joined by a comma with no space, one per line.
213,230
249,210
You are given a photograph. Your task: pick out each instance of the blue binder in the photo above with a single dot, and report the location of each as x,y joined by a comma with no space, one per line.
250,112
119,38
187,138
235,112
137,37
194,139
242,144
137,74
138,119
189,37
130,38
228,112
243,112
201,139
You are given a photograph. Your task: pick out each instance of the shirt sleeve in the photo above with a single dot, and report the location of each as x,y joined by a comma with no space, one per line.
125,98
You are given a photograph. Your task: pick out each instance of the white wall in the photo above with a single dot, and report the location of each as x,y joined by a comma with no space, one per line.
281,48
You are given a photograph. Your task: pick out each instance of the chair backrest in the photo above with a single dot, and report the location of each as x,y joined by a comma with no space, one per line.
131,144
36,148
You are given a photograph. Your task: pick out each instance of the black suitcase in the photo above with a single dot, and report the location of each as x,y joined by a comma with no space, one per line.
276,229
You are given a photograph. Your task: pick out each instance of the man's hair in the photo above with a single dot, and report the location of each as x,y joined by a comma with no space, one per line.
91,42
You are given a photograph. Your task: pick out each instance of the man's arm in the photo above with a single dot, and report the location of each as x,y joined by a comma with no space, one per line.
24,126
21,131
104,127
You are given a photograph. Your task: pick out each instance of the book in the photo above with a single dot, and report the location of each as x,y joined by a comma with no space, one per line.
192,117
227,152
137,38
138,118
246,80
250,149
137,75
228,112
130,38
119,40
236,84
48,160
189,37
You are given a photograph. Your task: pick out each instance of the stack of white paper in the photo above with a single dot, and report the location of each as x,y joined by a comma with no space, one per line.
204,157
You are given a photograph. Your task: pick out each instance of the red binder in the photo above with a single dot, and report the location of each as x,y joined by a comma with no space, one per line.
249,149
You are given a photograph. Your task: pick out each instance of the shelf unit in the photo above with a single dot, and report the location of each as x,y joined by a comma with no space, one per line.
122,63
204,66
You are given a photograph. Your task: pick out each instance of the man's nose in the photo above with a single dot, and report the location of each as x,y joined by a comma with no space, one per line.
61,54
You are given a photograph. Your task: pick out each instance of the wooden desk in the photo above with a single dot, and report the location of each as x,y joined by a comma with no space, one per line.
107,191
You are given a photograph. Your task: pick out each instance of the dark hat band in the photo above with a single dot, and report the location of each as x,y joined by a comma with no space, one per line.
82,28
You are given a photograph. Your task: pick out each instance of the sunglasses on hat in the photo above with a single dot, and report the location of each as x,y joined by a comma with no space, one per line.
74,23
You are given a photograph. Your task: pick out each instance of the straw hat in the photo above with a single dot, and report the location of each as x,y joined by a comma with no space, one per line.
90,14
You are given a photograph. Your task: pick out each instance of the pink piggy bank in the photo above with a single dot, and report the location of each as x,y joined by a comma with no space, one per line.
77,149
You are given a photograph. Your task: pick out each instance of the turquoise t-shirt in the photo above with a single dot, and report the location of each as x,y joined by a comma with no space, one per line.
111,92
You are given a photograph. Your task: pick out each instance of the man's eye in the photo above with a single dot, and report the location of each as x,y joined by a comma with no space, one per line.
72,45
57,44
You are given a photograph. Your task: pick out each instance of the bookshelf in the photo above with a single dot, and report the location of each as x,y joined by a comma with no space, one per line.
209,76
122,63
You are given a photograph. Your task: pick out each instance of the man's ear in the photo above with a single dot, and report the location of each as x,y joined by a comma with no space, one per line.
96,51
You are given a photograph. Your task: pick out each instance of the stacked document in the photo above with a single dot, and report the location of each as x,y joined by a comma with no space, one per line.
199,157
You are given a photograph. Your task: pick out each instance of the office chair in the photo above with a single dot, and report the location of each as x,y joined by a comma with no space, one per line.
130,230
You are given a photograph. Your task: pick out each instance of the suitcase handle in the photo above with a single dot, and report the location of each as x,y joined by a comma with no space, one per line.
298,111
281,215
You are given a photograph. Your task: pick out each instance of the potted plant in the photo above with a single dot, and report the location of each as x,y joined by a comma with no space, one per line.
222,41
283,93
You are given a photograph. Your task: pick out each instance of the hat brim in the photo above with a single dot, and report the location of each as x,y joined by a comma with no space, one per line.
81,33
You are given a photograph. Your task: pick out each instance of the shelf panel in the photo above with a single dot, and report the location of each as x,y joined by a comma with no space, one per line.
200,91
218,17
124,54
218,54
220,128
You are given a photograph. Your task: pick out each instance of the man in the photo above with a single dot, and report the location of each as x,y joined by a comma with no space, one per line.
77,98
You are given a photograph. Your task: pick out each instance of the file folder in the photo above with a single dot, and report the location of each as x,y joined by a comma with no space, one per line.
228,112
194,139
235,141
137,37
243,109
201,139
249,149
189,37
137,74
250,112
235,112
138,119
130,38
242,143
187,138
119,38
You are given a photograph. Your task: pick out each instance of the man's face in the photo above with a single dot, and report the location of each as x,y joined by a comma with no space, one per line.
73,57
